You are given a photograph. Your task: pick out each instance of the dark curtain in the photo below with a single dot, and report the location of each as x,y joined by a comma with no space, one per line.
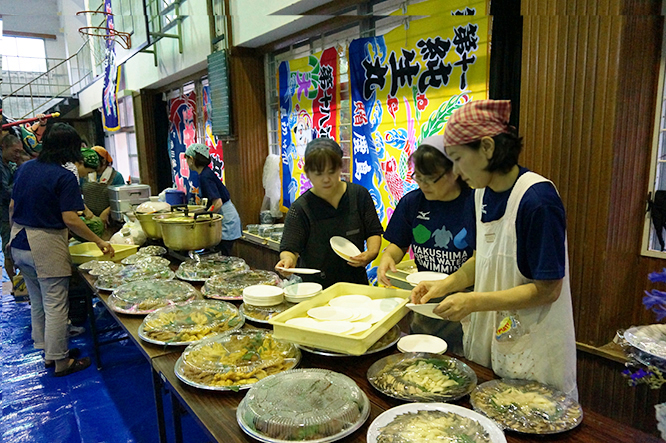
505,54
162,161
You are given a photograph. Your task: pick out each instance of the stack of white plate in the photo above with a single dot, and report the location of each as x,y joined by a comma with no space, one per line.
263,295
299,292
422,343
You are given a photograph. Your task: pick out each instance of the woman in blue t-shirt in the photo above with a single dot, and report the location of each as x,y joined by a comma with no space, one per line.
437,221
219,200
45,200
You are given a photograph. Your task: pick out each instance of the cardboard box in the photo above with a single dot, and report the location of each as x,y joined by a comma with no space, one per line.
84,252
355,344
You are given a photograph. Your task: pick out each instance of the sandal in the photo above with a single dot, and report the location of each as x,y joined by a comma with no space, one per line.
73,353
76,366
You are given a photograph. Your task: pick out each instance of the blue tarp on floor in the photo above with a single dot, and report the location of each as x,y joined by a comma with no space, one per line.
112,405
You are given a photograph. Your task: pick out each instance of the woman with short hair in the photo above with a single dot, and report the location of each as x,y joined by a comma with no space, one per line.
332,207
437,222
44,205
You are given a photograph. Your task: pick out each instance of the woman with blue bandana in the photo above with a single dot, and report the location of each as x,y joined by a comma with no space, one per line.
219,200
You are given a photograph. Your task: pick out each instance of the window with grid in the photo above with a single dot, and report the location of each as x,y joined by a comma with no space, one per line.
24,54
654,234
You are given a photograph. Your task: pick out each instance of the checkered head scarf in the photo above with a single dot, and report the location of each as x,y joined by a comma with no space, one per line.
197,147
477,119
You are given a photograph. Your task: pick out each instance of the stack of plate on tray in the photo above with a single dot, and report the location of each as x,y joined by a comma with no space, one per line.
347,314
299,292
261,302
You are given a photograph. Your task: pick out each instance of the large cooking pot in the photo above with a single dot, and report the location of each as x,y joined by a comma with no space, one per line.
152,228
186,232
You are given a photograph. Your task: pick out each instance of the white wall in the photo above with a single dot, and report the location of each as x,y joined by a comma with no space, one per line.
258,22
38,17
140,71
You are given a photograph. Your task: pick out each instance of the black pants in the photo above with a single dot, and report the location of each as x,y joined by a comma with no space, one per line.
225,247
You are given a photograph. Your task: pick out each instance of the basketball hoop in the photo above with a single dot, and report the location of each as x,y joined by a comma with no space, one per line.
124,39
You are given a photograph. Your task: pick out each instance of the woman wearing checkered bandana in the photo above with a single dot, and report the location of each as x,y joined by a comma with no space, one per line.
518,319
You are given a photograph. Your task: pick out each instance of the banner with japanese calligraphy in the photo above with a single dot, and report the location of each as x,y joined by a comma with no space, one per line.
182,133
110,119
309,97
404,86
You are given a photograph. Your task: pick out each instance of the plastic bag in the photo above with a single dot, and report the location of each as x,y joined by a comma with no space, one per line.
130,234
271,182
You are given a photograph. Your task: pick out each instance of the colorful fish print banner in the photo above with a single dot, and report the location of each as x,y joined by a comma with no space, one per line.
182,133
309,97
404,87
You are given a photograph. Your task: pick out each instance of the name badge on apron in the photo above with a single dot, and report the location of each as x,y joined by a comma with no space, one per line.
490,237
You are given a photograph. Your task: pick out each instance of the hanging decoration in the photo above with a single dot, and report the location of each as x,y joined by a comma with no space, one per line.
309,97
182,133
210,140
110,119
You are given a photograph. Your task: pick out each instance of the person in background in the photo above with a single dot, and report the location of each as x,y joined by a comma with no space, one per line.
332,207
437,221
518,319
44,204
95,186
11,155
219,200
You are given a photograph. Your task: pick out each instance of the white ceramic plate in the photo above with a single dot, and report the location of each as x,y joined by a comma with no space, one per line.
360,314
425,309
384,304
306,289
418,277
338,327
344,248
376,316
359,326
305,322
349,301
330,313
422,343
496,434
298,270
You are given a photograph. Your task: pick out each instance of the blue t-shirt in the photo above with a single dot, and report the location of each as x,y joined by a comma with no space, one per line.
442,233
42,192
541,226
212,187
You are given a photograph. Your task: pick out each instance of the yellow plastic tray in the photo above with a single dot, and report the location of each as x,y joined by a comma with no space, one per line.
347,344
399,278
87,251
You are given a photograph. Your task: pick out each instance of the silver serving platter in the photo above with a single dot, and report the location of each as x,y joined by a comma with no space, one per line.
392,337
180,364
391,364
146,338
514,418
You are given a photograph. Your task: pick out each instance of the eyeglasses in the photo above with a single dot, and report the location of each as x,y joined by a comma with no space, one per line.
425,180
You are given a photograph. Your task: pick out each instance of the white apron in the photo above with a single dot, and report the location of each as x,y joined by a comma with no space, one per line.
50,250
546,352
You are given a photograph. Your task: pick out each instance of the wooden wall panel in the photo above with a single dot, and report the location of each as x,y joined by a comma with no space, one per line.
588,95
244,157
